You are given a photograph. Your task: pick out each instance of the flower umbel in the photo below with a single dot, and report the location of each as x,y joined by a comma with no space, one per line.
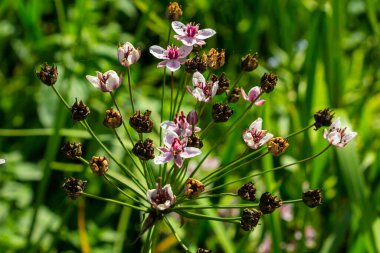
161,198
175,150
190,34
172,56
338,136
106,82
254,137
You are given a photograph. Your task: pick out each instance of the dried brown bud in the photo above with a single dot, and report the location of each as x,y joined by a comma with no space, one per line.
269,203
247,192
141,123
215,58
48,74
194,141
195,64
72,150
201,250
221,112
193,188
173,11
144,150
250,62
268,82
312,198
99,165
74,187
234,95
277,145
323,118
79,111
250,219
112,119
223,83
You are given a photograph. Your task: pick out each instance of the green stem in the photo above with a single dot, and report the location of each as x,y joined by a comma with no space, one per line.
300,131
198,216
271,170
171,94
130,88
176,235
114,201
123,121
183,93
60,97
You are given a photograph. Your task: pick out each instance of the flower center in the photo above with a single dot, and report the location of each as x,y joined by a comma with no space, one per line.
191,30
176,146
257,135
173,53
181,121
161,197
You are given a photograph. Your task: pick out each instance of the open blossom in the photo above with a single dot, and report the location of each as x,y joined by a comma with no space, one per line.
203,91
337,136
161,198
172,56
253,95
106,82
180,126
175,150
128,54
2,161
190,34
254,137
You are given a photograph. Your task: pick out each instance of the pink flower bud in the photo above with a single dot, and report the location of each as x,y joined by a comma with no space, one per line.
192,118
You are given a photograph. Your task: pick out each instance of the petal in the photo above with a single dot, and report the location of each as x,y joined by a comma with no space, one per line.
198,80
113,80
169,125
334,138
151,194
162,64
173,65
254,93
2,161
168,189
186,40
214,88
335,124
94,81
164,158
184,51
189,152
325,133
178,161
163,149
158,52
259,102
205,33
199,95
179,27
266,138
257,124
134,56
169,138
348,137
244,95
164,206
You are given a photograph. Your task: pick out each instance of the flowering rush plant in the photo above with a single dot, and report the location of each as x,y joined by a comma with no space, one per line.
163,177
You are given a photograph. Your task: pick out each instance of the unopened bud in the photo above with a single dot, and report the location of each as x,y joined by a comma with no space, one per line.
192,118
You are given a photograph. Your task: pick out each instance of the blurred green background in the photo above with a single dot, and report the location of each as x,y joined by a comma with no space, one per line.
326,54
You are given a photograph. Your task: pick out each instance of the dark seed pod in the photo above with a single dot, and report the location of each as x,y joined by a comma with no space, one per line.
269,203
48,74
74,187
312,198
79,111
221,112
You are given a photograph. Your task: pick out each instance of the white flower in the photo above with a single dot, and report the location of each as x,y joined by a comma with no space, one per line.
161,198
190,34
171,56
175,150
180,126
2,161
253,95
106,82
203,91
338,136
128,54
254,137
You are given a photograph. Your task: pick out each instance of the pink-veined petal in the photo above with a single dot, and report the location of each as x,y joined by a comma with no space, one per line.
199,80
214,89
173,65
187,41
335,124
158,52
178,161
169,138
162,64
205,34
184,51
113,80
164,158
243,94
198,95
94,81
259,102
257,124
266,138
349,136
179,28
254,93
151,194
163,149
189,152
